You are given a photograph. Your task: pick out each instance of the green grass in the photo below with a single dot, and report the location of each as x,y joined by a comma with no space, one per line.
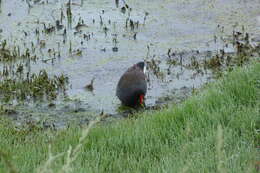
216,130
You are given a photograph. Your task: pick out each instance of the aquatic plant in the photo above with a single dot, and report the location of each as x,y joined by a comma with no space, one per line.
218,61
12,54
90,87
33,87
69,14
244,51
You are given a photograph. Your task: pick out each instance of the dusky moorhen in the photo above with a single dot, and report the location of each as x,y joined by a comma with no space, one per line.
132,86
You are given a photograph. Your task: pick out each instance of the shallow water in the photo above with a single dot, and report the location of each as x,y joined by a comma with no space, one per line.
182,25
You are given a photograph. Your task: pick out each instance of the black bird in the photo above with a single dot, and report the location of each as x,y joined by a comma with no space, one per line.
132,86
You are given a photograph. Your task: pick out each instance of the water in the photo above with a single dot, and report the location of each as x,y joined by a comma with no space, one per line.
109,48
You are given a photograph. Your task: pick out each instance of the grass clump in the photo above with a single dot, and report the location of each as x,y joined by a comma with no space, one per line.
216,130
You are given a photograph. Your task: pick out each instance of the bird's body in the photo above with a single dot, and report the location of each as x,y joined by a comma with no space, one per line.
132,86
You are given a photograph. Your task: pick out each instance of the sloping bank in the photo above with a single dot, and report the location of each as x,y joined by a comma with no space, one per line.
214,130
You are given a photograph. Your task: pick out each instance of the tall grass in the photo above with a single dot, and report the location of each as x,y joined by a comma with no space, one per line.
216,130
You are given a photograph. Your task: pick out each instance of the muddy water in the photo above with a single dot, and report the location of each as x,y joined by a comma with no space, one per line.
103,47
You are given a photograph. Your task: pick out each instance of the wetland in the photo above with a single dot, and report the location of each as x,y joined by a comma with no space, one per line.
61,60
